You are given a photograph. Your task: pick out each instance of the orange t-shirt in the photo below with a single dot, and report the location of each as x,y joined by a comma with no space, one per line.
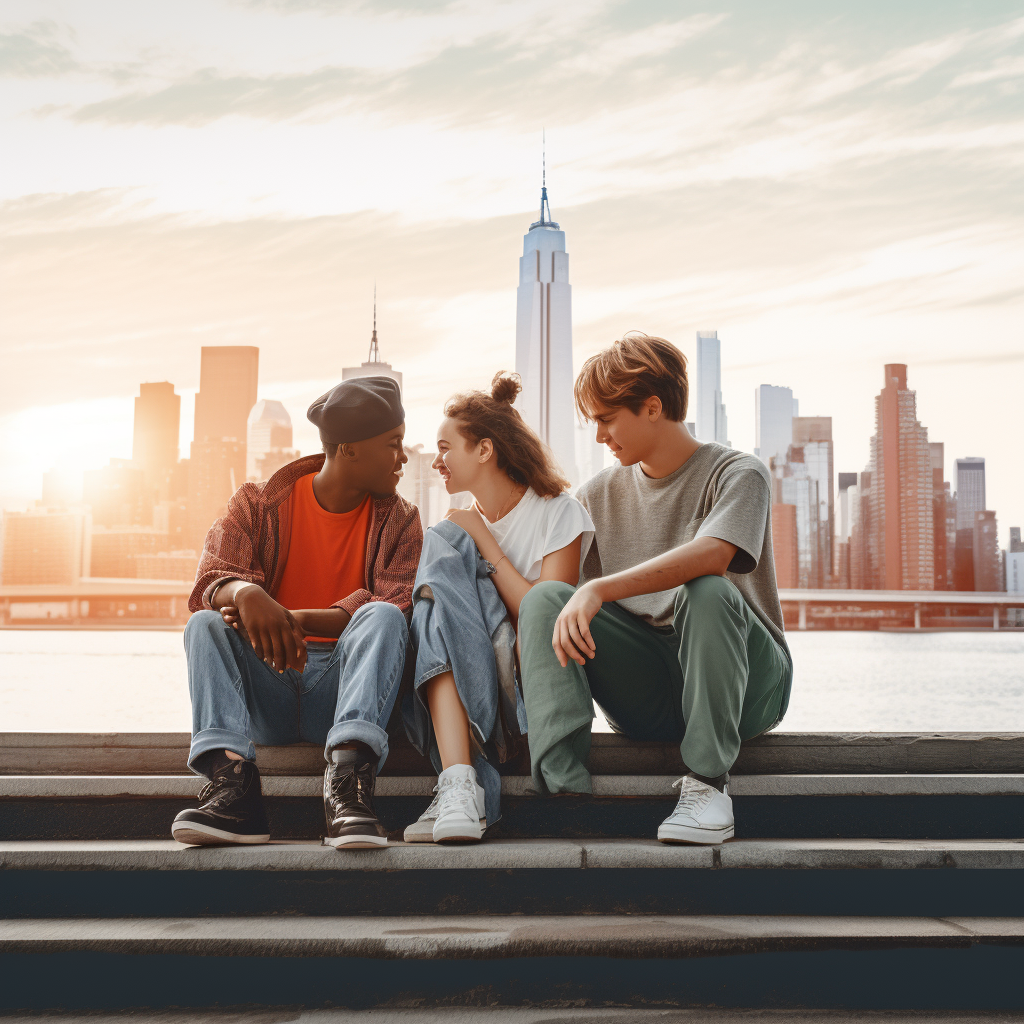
326,557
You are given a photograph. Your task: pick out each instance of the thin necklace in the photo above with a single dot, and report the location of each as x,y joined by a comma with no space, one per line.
507,500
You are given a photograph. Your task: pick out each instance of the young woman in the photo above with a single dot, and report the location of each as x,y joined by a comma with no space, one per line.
528,529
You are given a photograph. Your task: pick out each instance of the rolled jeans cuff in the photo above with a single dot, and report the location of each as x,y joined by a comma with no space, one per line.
359,731
220,739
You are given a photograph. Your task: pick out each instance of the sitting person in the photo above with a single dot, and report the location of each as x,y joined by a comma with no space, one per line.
477,566
300,628
677,631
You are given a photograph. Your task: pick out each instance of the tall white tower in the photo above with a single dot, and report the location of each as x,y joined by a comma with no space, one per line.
712,424
544,337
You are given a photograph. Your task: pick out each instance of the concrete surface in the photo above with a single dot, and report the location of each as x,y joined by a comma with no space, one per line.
487,938
187,786
519,1015
520,854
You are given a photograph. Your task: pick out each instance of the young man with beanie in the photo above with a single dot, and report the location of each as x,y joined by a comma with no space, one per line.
300,629
677,630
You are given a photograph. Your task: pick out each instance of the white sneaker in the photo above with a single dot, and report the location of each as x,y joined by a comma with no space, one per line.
460,806
702,815
422,829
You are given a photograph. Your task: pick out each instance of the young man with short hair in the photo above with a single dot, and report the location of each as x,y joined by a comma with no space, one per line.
300,629
677,631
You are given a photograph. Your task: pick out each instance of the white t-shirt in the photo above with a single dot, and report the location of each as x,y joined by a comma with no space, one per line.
538,526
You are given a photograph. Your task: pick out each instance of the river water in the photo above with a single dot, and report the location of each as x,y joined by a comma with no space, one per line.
135,681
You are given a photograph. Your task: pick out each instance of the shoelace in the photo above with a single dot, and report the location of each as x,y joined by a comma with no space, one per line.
693,795
220,789
350,784
456,796
431,811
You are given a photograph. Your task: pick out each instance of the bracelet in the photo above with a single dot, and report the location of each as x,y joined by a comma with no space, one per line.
494,567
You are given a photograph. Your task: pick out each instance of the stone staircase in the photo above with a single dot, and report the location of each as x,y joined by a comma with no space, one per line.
869,871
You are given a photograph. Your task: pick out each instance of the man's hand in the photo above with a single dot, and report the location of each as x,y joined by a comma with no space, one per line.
276,637
571,638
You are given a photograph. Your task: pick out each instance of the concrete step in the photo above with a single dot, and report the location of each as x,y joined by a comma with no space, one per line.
837,877
550,1012
735,960
28,753
953,806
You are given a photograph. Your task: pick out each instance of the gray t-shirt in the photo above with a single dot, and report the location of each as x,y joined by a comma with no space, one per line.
717,492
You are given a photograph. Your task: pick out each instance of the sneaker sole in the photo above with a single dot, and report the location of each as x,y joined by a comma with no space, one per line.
683,834
428,835
418,837
458,834
195,834
355,842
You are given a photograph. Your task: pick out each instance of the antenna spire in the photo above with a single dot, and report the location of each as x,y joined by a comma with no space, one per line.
374,350
545,208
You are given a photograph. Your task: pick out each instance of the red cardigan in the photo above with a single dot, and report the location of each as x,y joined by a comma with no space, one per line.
247,543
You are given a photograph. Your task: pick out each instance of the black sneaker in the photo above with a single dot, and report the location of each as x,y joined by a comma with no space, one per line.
348,807
231,808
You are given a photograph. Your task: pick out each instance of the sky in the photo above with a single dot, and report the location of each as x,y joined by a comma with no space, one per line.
830,186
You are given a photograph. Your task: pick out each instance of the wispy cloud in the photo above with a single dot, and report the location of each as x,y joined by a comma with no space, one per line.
35,51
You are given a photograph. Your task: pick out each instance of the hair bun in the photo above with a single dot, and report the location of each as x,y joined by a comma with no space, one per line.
505,387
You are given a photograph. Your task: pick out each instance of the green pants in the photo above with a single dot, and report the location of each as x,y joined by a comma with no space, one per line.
718,678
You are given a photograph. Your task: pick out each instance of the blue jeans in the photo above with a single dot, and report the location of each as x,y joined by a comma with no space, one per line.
345,693
463,627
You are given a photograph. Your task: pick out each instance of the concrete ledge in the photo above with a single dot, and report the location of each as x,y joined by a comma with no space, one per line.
178,787
517,854
476,938
776,753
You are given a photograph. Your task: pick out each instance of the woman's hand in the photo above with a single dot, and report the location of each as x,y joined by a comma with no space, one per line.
472,522
571,637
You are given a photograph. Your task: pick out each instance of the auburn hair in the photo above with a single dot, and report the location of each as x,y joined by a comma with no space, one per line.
519,451
634,369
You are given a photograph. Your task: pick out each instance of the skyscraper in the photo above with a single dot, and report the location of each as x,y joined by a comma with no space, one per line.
712,423
848,499
940,497
773,422
846,510
814,435
796,485
785,546
901,551
268,439
155,437
544,337
228,380
988,574
228,377
970,491
374,365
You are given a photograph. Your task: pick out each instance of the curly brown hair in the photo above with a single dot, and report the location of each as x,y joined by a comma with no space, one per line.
520,452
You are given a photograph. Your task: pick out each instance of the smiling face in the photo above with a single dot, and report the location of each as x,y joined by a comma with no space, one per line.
629,436
458,459
378,461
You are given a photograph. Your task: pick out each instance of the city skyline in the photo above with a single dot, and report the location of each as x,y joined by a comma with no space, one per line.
830,189
899,524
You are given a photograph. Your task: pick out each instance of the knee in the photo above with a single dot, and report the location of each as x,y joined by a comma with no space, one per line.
545,600
384,617
706,593
201,623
